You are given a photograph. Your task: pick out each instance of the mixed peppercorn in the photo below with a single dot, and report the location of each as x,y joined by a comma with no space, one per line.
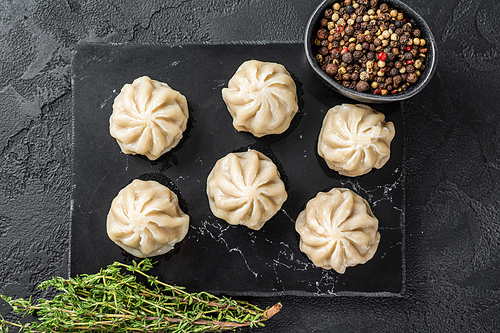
369,47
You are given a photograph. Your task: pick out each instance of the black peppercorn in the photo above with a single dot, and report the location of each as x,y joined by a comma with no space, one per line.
335,53
408,56
322,34
393,72
383,17
360,11
331,69
349,30
416,33
350,69
360,38
328,13
394,43
323,51
346,77
349,9
362,86
396,80
373,3
412,78
410,68
357,55
323,22
355,76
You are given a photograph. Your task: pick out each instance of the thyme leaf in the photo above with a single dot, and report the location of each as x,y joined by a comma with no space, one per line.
114,301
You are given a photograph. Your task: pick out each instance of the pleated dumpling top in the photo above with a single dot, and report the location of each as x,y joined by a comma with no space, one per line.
261,97
148,118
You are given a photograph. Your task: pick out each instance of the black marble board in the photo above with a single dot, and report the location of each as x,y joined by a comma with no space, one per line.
216,256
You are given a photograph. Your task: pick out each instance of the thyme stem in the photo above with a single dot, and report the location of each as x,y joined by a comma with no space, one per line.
114,301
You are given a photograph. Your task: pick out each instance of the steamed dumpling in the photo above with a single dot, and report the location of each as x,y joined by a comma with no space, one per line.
338,230
261,97
145,219
354,139
148,118
245,188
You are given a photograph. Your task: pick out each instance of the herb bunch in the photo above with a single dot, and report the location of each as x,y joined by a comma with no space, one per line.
113,301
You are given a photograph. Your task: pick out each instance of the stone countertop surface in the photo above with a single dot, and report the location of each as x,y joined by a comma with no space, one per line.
452,149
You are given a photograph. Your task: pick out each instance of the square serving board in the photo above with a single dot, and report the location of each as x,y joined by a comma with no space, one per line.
215,256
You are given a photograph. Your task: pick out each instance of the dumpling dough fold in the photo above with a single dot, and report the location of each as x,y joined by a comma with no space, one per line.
261,97
145,219
338,230
354,139
148,118
245,188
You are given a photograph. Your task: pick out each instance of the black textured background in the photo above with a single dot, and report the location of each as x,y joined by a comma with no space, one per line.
452,151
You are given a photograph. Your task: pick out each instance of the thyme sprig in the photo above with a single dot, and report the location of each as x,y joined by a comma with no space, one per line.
114,301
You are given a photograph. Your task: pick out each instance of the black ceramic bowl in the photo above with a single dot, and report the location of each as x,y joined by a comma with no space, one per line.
426,33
